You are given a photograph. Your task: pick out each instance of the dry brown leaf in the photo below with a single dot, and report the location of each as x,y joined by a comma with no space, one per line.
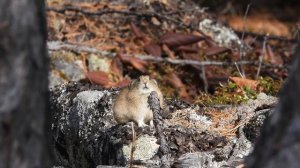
242,82
155,21
90,6
99,77
169,52
191,56
261,23
215,50
153,49
123,83
118,7
188,49
135,62
274,59
174,80
136,31
107,47
138,64
116,67
175,39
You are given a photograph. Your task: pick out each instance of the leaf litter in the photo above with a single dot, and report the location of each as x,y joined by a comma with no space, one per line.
170,29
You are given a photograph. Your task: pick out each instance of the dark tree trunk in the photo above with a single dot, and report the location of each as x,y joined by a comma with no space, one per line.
279,143
23,84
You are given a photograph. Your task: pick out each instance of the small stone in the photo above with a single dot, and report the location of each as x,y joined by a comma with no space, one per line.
146,148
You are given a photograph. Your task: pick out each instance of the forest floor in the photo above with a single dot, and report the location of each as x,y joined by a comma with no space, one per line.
206,58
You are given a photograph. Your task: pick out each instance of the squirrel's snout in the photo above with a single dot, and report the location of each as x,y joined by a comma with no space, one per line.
145,85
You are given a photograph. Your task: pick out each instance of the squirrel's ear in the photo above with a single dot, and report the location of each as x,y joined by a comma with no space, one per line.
154,81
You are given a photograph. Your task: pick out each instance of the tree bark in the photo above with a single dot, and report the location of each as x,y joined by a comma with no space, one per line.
279,143
23,84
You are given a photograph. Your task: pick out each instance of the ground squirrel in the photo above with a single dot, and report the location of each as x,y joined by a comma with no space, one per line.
132,102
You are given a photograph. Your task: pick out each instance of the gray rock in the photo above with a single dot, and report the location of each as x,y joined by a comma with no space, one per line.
198,160
103,166
55,80
85,133
72,71
222,35
146,148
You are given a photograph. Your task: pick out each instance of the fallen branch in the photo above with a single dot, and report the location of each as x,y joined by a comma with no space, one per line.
110,11
58,45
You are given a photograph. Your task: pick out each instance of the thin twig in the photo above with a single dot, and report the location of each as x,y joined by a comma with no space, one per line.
192,62
245,20
242,53
237,67
242,123
133,145
261,57
203,76
58,45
